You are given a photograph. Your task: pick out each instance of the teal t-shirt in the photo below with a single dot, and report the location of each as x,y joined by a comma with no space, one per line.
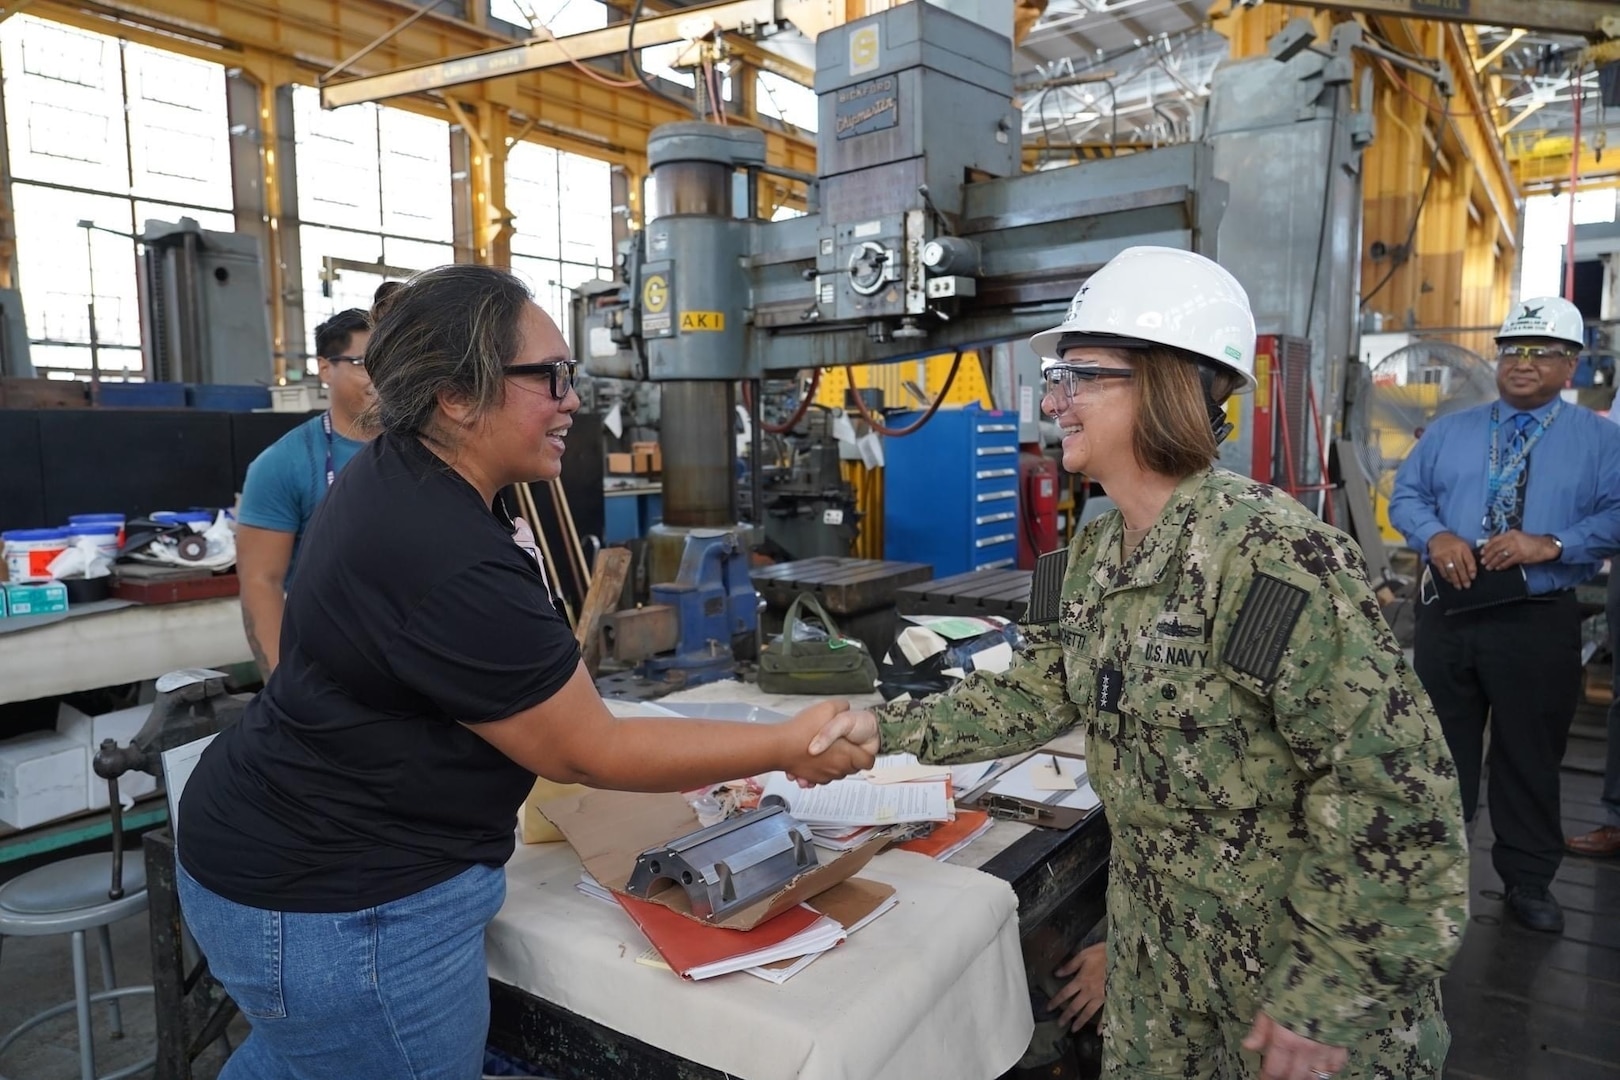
288,480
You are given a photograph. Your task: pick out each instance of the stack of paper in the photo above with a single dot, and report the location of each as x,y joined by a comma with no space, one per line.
855,801
947,839
775,950
1036,780
841,838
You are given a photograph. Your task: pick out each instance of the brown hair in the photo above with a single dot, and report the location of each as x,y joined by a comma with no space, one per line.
1173,435
445,331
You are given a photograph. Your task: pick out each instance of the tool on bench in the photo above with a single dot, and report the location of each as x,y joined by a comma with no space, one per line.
729,865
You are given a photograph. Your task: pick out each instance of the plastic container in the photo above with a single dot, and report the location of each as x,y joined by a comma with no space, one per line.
28,553
105,535
115,520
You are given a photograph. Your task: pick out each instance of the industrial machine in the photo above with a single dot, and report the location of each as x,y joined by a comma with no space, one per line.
924,237
203,318
807,508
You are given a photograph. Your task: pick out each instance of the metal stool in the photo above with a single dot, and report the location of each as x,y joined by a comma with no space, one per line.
70,897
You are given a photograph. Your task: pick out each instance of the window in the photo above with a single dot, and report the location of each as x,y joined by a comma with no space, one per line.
561,17
374,188
562,211
786,100
85,150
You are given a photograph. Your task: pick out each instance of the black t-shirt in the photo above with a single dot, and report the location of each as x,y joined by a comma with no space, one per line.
350,780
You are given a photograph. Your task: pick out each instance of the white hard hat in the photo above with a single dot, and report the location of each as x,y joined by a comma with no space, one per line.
1545,317
1161,296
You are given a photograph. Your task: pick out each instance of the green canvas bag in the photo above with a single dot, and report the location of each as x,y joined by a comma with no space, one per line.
838,665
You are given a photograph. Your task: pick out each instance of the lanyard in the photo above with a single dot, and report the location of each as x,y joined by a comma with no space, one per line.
1502,482
326,426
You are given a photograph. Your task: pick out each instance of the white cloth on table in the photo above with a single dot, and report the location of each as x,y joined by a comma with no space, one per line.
934,988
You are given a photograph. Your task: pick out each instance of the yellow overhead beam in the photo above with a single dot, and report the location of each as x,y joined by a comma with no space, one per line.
1542,162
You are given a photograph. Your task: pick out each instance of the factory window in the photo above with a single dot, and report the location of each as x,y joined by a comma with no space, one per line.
562,211
374,201
786,100
115,134
560,17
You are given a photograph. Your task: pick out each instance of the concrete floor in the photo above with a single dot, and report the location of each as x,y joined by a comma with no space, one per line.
36,973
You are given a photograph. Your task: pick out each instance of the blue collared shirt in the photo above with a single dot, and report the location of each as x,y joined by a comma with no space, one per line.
1573,490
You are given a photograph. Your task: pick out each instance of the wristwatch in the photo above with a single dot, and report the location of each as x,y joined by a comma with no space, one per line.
1557,543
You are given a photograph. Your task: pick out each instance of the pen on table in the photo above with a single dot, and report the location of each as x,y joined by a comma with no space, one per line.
1057,769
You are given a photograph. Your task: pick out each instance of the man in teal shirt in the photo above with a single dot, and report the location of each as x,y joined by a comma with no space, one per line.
287,481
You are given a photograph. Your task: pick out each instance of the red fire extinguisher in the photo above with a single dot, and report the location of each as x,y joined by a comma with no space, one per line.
1037,499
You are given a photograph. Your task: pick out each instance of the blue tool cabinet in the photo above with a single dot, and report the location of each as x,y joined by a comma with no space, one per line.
950,491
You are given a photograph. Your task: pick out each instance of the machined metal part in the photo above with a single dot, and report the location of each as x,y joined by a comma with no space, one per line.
730,865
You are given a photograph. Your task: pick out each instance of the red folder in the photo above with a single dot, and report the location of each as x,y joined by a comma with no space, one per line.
685,944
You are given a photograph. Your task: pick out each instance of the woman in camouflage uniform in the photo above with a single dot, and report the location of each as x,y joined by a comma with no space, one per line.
1288,877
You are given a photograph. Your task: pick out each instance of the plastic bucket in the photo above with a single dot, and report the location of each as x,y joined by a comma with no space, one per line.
105,535
29,553
115,520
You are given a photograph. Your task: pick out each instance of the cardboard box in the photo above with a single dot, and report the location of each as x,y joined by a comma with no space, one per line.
643,447
42,778
621,463
609,829
89,731
47,599
657,460
643,461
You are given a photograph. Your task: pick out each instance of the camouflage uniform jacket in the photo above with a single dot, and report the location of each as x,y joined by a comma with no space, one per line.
1287,831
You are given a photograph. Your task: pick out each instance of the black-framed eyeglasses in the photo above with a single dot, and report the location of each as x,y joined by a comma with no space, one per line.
1063,382
561,372
357,361
1540,356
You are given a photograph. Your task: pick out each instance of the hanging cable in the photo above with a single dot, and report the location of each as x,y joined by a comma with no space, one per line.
635,59
585,69
1399,258
798,414
895,433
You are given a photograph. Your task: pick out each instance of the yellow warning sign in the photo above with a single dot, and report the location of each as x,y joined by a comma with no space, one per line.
863,50
655,293
702,320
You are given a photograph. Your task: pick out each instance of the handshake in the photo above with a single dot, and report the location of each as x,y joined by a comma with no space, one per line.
829,741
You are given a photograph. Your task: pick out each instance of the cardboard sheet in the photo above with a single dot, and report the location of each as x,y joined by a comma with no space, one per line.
608,829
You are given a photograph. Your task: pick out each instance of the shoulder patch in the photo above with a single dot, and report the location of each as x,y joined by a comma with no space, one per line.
1046,587
1264,625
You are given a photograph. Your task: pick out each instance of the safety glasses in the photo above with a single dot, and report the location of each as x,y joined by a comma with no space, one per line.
1514,355
561,373
1063,382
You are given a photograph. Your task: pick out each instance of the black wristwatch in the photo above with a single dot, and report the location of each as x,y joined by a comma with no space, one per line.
1557,543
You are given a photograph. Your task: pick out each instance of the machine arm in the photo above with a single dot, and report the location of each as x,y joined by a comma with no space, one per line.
1596,19
748,16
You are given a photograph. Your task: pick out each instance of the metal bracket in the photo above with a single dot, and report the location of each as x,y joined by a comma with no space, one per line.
729,865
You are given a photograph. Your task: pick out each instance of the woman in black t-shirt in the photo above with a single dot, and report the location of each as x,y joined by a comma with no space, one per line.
341,848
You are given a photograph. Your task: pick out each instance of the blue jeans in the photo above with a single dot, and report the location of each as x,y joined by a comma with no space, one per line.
395,992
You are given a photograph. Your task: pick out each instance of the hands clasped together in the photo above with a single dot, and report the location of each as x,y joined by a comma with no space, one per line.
828,741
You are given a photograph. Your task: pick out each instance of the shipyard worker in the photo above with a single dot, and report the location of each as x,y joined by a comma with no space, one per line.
1512,504
342,847
1288,876
289,479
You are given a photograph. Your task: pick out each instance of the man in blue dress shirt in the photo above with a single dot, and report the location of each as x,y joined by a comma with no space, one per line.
1533,482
